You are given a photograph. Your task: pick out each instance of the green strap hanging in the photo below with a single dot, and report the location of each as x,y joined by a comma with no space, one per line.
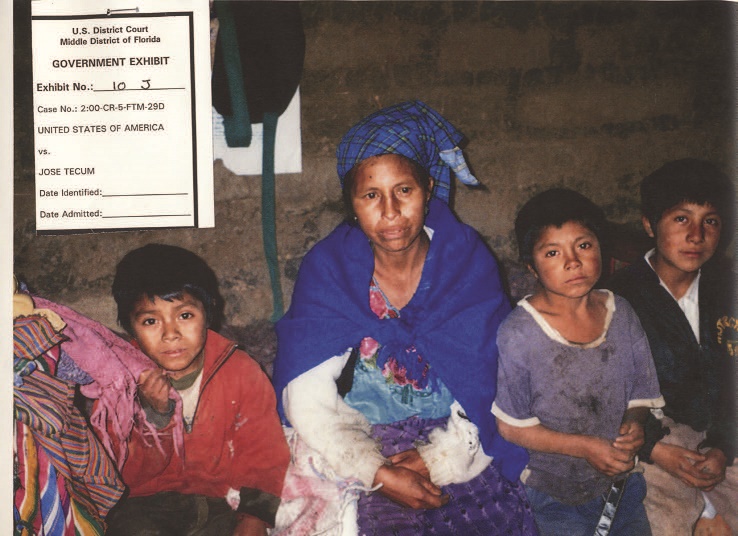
238,125
238,134
268,211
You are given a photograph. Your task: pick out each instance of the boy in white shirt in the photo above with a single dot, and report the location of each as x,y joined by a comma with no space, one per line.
686,305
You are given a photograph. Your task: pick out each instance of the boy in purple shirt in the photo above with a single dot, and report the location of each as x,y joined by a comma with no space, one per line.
576,379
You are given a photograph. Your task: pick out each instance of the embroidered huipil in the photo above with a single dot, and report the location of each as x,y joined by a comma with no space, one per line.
403,386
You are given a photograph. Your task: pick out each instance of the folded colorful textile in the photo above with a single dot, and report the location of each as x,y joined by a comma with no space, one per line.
115,365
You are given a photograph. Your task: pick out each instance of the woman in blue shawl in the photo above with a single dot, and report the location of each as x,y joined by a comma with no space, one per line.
387,359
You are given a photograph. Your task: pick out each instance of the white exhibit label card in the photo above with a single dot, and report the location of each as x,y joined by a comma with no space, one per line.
122,124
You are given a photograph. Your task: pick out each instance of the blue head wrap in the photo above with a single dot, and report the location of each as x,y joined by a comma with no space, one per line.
414,130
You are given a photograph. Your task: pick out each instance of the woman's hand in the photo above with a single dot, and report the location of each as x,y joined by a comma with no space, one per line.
412,460
249,526
408,488
604,457
153,387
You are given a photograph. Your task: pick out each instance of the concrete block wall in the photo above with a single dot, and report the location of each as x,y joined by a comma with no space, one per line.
587,95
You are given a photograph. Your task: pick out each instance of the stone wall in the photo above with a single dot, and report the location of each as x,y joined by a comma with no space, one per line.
587,95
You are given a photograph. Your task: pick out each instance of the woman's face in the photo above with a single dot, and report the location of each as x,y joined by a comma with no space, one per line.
389,202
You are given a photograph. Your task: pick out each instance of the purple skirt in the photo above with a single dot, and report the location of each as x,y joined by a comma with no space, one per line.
488,505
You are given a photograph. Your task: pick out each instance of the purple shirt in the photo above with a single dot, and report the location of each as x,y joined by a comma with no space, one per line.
572,388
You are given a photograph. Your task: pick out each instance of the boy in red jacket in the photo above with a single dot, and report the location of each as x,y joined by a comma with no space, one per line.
211,457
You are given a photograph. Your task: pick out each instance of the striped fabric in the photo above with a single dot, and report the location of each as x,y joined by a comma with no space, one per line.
31,403
63,492
27,494
52,510
66,484
33,337
414,130
45,404
42,502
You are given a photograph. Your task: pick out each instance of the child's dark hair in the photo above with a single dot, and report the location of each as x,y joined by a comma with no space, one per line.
166,272
419,172
688,180
555,207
